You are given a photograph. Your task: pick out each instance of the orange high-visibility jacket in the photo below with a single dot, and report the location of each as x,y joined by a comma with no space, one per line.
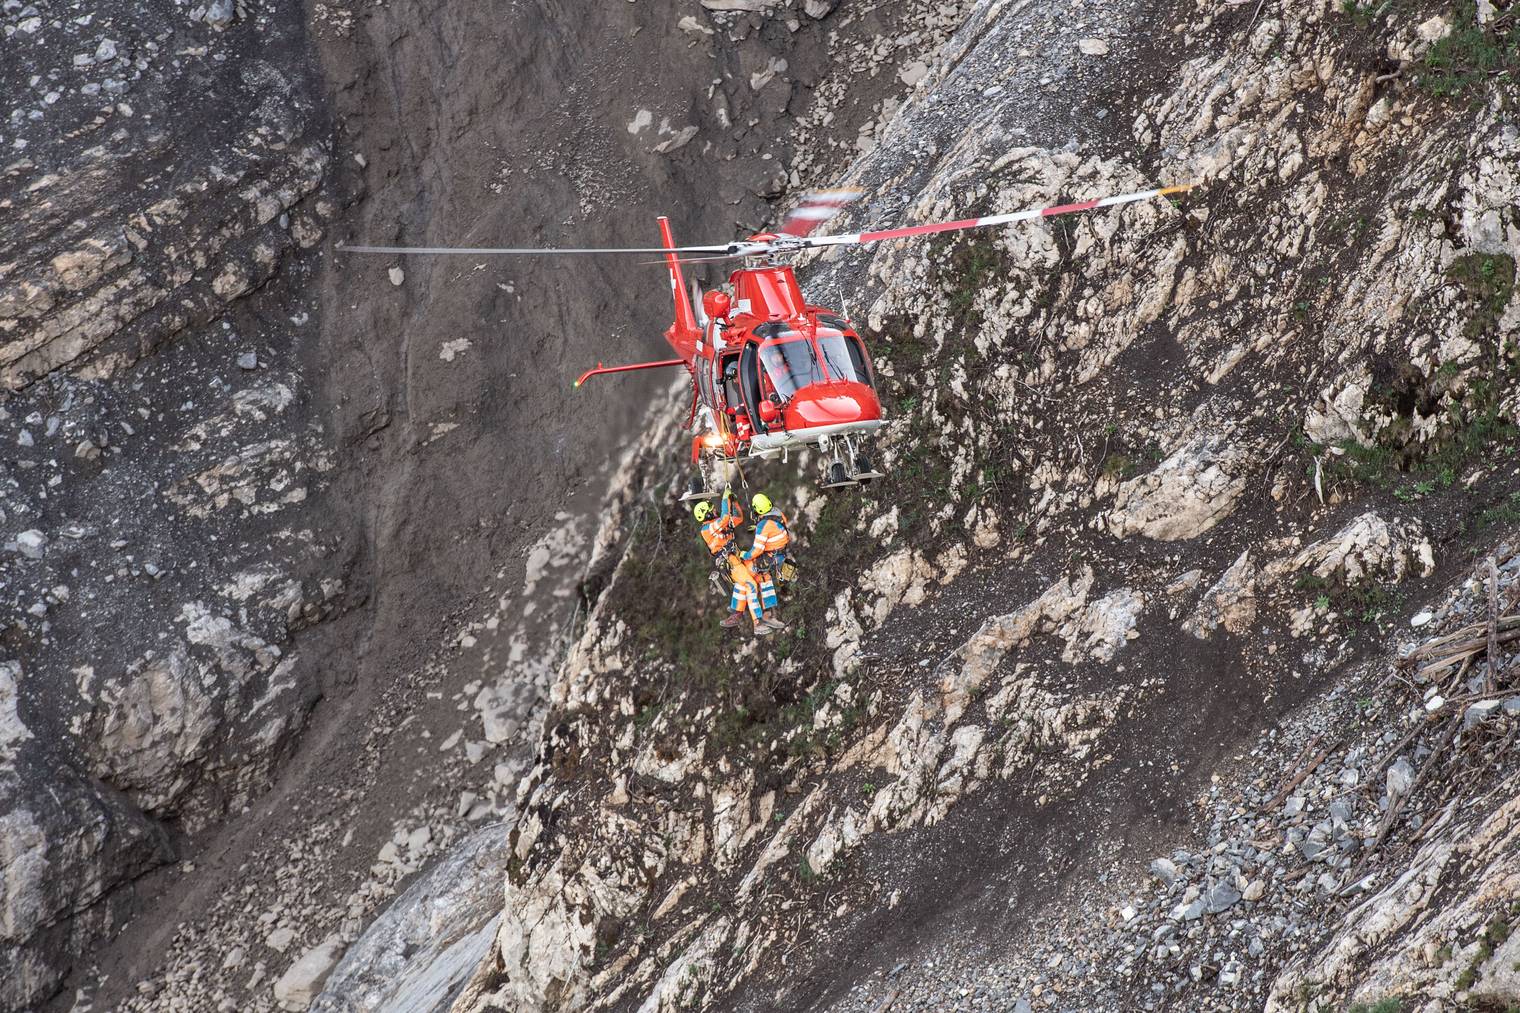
717,533
771,534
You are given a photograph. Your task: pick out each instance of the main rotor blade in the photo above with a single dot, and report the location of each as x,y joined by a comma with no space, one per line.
814,209
859,238
488,251
754,250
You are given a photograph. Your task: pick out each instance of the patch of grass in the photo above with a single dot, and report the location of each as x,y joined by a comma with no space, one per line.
1471,57
1470,435
1488,281
1366,465
1419,490
1366,15
1472,428
974,263
1370,602
1117,466
1367,602
1126,464
796,722
1494,934
1507,512
1381,1006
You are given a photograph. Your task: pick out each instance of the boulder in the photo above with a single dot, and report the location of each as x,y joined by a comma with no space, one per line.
299,985
1187,494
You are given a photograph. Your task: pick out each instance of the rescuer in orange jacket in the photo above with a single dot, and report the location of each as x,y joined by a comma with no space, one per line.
718,534
769,551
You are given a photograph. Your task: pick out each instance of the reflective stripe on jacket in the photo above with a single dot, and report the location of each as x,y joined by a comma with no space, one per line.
771,535
718,533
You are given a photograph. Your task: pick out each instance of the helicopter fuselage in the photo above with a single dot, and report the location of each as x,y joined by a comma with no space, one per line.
774,372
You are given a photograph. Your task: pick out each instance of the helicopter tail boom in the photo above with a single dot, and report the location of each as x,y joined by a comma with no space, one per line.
685,331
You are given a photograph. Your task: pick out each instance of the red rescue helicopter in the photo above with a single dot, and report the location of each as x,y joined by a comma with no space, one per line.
770,371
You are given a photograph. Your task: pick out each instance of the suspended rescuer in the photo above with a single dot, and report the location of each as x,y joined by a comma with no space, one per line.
768,556
718,533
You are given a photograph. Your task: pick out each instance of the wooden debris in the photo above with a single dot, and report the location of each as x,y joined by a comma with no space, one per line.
1491,678
1298,779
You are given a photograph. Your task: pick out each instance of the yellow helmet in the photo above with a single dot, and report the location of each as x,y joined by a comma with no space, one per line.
702,511
761,503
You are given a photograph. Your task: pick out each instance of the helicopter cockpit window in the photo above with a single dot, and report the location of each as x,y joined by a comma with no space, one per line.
791,363
858,357
842,356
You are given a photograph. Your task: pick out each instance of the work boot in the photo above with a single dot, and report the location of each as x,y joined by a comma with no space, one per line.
763,629
774,623
733,619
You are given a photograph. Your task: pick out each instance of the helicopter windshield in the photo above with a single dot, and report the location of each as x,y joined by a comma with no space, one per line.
791,363
841,360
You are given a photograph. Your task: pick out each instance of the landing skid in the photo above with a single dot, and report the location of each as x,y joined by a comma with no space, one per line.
709,481
696,492
837,473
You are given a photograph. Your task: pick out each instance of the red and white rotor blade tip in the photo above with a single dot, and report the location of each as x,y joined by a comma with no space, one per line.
908,231
814,209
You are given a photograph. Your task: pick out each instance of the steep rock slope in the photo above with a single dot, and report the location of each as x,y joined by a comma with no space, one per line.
148,607
1159,478
289,555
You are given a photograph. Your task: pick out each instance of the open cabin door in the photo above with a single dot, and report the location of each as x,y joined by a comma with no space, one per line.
749,383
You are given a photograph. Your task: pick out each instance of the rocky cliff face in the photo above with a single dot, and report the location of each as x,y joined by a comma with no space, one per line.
289,552
1164,484
1097,701
149,511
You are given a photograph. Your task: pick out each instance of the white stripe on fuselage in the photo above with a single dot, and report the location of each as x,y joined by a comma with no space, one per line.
798,437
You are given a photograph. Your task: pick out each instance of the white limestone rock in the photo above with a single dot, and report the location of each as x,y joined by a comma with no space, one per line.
1230,602
301,982
1366,548
1192,490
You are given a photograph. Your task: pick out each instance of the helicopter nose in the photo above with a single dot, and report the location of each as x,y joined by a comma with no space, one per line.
832,404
